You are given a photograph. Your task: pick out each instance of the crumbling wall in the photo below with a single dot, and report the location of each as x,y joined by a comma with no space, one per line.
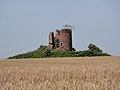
51,40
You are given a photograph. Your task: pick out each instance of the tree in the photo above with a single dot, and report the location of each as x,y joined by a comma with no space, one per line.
42,47
94,48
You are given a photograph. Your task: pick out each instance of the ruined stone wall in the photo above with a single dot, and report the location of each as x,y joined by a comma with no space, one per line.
57,35
51,40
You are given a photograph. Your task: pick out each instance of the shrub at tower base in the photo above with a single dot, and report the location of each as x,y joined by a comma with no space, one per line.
45,52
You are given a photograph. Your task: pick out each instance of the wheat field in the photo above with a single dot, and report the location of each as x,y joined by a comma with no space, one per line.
81,73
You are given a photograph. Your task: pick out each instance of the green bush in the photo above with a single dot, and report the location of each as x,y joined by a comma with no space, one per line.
44,52
94,48
42,47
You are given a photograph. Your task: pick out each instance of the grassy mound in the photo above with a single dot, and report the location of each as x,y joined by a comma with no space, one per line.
45,52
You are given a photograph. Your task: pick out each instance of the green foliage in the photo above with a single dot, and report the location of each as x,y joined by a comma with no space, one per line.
42,47
94,48
44,52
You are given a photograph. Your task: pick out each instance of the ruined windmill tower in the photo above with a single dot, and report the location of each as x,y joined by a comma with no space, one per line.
62,39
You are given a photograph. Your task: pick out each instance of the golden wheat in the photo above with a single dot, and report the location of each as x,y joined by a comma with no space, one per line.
87,73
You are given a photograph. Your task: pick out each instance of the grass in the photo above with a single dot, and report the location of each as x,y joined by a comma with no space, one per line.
82,73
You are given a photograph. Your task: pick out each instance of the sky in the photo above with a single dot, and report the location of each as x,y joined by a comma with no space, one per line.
25,24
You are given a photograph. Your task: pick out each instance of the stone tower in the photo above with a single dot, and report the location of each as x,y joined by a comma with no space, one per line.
65,39
62,39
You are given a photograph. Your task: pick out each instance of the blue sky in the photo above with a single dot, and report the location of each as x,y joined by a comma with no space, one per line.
25,24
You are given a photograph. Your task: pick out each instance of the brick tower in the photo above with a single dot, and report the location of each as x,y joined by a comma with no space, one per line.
65,39
62,39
